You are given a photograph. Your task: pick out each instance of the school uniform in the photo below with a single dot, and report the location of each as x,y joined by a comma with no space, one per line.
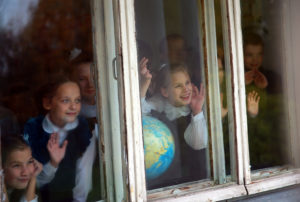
190,137
66,182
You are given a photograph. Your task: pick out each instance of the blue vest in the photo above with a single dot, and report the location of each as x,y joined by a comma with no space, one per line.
60,188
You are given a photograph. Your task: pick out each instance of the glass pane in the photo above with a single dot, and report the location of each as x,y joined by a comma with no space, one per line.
41,42
223,81
264,75
170,54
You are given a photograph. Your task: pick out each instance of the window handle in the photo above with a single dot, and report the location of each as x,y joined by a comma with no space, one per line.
115,71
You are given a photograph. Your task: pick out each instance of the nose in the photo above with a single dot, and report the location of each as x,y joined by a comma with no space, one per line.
91,83
25,170
73,105
185,88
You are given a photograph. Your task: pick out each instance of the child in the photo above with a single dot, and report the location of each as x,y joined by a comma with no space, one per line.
81,73
179,105
20,170
262,106
61,141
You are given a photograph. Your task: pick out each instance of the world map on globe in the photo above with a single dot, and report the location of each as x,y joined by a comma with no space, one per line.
159,147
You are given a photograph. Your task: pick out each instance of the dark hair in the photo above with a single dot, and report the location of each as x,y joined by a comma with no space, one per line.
163,78
252,39
83,57
49,89
10,143
164,43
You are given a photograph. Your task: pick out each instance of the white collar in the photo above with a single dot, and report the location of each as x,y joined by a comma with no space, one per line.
88,111
173,112
49,127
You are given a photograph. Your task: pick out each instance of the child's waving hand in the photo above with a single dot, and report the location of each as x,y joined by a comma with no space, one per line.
56,152
253,103
38,167
145,76
198,98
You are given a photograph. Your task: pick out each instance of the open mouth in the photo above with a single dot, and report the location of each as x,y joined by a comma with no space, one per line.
186,97
71,113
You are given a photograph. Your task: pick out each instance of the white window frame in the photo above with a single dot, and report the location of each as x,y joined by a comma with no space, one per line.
120,13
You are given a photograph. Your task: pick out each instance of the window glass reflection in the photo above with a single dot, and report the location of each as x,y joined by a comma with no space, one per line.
264,68
172,92
42,41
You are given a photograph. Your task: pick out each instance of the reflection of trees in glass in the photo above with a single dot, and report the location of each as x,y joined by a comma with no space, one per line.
43,48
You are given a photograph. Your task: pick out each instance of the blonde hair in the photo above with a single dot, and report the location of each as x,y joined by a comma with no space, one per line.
163,79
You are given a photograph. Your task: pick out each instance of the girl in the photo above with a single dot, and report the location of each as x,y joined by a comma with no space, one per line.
179,105
61,141
20,170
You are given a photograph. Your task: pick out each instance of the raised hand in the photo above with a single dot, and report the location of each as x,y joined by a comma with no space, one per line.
198,98
249,76
56,152
38,167
253,103
260,80
145,76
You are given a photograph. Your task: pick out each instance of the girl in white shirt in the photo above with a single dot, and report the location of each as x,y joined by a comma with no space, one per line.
179,104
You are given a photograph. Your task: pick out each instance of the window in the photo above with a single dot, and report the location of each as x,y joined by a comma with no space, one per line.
206,26
185,48
40,41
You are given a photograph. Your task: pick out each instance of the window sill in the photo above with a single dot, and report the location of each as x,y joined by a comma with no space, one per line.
280,180
192,193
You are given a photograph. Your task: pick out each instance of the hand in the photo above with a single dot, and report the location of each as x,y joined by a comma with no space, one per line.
38,167
56,152
260,80
144,71
253,103
145,76
198,98
224,111
249,76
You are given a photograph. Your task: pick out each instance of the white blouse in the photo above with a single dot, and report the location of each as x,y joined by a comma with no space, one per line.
84,165
195,134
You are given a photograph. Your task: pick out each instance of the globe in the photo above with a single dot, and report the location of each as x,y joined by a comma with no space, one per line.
159,147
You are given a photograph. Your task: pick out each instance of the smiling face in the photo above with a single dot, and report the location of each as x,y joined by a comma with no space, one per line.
86,84
179,91
18,169
176,50
65,105
253,56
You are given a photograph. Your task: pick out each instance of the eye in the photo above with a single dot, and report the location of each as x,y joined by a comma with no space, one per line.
16,165
77,101
30,161
82,79
65,100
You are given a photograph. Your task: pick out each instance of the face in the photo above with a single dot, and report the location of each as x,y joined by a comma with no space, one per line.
253,56
176,51
179,92
221,71
18,169
86,83
64,106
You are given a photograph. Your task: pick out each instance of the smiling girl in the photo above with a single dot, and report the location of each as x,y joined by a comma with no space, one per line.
20,169
61,141
178,103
